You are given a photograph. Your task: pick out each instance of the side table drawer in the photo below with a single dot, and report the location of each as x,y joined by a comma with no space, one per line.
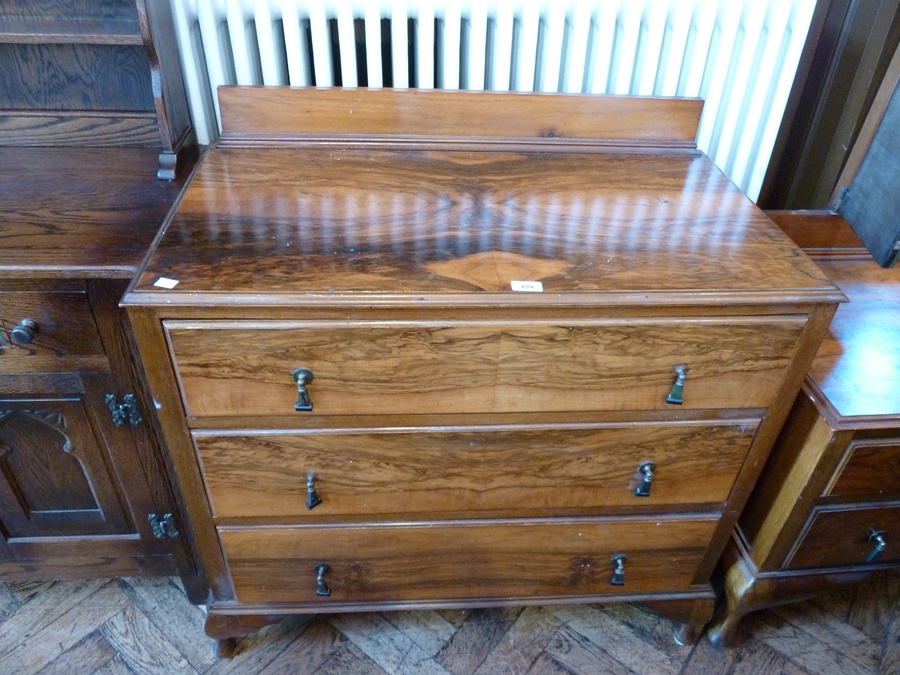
57,323
396,367
847,536
475,559
362,472
871,467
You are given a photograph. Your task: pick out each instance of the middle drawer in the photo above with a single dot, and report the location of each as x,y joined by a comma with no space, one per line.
418,367
365,472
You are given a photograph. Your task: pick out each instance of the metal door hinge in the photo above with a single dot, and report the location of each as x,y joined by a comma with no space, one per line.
162,528
123,412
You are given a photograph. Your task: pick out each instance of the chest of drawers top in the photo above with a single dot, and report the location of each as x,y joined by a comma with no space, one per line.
428,224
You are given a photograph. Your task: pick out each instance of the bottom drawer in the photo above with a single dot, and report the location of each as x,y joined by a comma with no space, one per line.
849,536
475,559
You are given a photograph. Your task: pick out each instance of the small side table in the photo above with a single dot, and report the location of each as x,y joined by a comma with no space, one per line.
826,511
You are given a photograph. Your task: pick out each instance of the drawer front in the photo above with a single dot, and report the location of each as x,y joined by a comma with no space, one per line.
531,471
870,468
838,537
234,369
478,559
62,324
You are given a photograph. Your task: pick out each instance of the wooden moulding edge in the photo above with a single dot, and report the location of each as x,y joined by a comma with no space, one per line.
440,301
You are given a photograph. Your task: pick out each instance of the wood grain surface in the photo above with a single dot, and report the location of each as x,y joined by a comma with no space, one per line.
52,11
74,77
870,468
62,220
857,368
391,273
245,368
65,324
524,471
314,226
840,536
79,129
486,559
57,477
823,235
334,112
77,627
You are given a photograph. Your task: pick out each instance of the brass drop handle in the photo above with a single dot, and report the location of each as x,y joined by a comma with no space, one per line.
24,333
303,376
618,564
321,587
646,471
676,396
877,538
312,497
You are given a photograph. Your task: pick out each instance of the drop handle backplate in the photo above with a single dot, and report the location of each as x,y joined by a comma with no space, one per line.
676,395
303,376
24,332
312,497
879,539
618,565
645,471
321,587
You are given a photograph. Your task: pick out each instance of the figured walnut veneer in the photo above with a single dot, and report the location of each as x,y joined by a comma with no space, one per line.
472,445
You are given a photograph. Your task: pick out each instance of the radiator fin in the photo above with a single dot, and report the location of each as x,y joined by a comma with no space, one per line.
740,56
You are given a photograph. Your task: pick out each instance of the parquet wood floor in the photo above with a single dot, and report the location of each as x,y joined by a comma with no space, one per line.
148,626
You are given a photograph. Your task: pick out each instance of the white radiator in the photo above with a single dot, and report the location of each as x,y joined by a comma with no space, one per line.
740,56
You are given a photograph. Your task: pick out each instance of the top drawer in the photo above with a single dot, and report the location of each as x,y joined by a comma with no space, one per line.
48,323
869,467
398,367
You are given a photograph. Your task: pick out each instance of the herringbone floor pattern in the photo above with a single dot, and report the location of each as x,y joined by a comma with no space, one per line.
147,626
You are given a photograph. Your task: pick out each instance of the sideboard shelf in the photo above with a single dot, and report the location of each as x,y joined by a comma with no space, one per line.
82,73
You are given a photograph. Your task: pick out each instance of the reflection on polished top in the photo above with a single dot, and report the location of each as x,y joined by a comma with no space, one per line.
858,365
405,222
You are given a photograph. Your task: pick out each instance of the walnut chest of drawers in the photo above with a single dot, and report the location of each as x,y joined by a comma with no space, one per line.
418,350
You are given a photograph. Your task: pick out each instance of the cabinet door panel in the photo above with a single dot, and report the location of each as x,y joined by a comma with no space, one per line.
55,475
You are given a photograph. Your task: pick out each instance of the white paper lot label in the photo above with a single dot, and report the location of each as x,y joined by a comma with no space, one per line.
528,286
